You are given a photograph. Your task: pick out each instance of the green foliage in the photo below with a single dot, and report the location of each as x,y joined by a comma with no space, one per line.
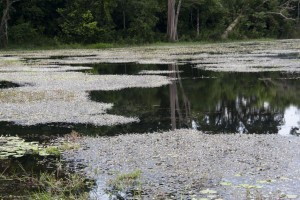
143,23
124,183
51,187
86,21
35,22
23,33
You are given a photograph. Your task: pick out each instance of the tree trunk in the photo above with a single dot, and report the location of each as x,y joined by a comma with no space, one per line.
198,23
231,27
3,25
4,22
298,16
124,20
173,15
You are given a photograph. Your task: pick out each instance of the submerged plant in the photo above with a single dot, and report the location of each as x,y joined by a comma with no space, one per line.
124,184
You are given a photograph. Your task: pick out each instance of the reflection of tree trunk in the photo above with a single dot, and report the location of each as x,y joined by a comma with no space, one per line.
173,94
231,27
187,104
174,101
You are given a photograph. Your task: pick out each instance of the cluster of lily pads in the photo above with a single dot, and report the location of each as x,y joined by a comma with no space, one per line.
17,147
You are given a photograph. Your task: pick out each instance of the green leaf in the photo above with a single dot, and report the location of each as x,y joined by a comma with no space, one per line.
247,186
208,191
266,181
291,196
225,183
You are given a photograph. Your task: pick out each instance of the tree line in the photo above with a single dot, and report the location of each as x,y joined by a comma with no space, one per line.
144,21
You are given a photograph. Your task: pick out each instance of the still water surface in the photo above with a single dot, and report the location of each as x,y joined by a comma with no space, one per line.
214,102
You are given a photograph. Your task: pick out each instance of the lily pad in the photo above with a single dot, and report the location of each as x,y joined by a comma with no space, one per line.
266,181
212,196
247,186
208,191
225,183
291,196
43,153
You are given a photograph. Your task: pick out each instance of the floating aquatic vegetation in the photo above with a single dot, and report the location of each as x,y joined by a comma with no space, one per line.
49,97
208,191
60,111
266,181
196,154
48,68
17,147
226,183
248,186
50,71
291,196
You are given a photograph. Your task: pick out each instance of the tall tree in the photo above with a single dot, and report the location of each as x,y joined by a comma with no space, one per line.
262,9
173,14
6,6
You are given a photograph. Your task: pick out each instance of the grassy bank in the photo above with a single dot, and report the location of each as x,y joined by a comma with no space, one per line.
18,47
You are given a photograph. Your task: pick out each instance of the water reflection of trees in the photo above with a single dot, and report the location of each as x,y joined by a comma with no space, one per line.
242,115
221,102
180,115
228,104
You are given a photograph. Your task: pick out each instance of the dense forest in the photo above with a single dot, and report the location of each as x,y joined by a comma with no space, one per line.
49,22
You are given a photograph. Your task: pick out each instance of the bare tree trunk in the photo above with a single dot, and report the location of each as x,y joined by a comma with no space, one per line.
4,22
198,23
173,15
3,25
231,27
298,16
175,32
124,20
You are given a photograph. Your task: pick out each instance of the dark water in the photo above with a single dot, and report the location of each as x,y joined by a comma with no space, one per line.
6,84
214,102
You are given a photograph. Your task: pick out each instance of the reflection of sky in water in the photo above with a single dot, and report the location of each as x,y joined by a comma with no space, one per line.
291,120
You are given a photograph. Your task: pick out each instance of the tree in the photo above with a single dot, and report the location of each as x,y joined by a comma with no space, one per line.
260,9
87,21
173,14
202,14
6,6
